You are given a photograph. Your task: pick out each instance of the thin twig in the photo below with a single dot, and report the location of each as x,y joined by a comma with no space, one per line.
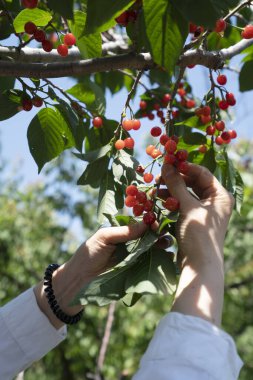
168,118
105,340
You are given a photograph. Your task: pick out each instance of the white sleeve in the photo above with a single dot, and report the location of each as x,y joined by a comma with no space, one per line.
189,348
26,334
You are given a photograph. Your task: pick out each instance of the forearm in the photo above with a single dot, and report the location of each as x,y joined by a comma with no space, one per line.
67,281
201,287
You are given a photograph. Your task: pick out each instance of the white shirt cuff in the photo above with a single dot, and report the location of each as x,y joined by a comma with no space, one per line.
184,345
29,328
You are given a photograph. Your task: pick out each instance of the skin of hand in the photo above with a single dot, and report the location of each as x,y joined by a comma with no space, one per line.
200,230
91,259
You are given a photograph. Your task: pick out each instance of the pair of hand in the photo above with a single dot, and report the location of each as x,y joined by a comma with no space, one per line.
201,221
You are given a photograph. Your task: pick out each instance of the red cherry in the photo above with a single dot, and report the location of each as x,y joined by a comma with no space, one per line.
169,159
136,124
160,113
123,18
130,201
119,144
164,139
30,27
63,50
183,167
127,124
225,136
172,204
97,122
151,116
37,101
47,46
181,92
156,106
27,104
205,119
232,133
138,210
175,138
202,149
140,169
131,190
129,143
221,79
220,25
166,98
148,205
175,113
148,177
220,125
223,105
192,28
190,66
69,39
170,146
39,35
198,31
190,103
149,218
247,32
206,111
219,140
210,130
155,131
30,3
141,196
156,153
230,98
182,155
143,105
150,149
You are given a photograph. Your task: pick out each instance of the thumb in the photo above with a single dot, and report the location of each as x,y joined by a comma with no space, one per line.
176,186
115,235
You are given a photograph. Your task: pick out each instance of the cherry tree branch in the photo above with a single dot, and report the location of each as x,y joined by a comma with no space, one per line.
20,67
106,338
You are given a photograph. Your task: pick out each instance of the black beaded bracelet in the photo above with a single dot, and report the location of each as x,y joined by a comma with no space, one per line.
65,318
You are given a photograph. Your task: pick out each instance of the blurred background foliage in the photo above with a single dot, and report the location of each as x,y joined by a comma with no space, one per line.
39,225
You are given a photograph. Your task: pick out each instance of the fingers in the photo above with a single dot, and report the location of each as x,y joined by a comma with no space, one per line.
115,235
202,181
176,186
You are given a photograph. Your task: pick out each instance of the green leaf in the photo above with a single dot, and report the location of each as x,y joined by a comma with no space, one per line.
90,46
106,197
154,273
90,94
48,136
94,154
10,101
111,284
245,77
6,28
63,7
83,92
130,299
129,165
204,12
166,31
6,83
36,15
101,14
76,125
230,178
94,172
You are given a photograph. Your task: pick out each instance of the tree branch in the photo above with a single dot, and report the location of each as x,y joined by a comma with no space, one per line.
211,59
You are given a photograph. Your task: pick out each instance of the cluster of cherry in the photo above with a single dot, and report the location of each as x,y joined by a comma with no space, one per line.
143,203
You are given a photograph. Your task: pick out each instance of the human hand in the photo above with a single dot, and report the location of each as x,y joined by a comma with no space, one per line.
203,221
201,229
